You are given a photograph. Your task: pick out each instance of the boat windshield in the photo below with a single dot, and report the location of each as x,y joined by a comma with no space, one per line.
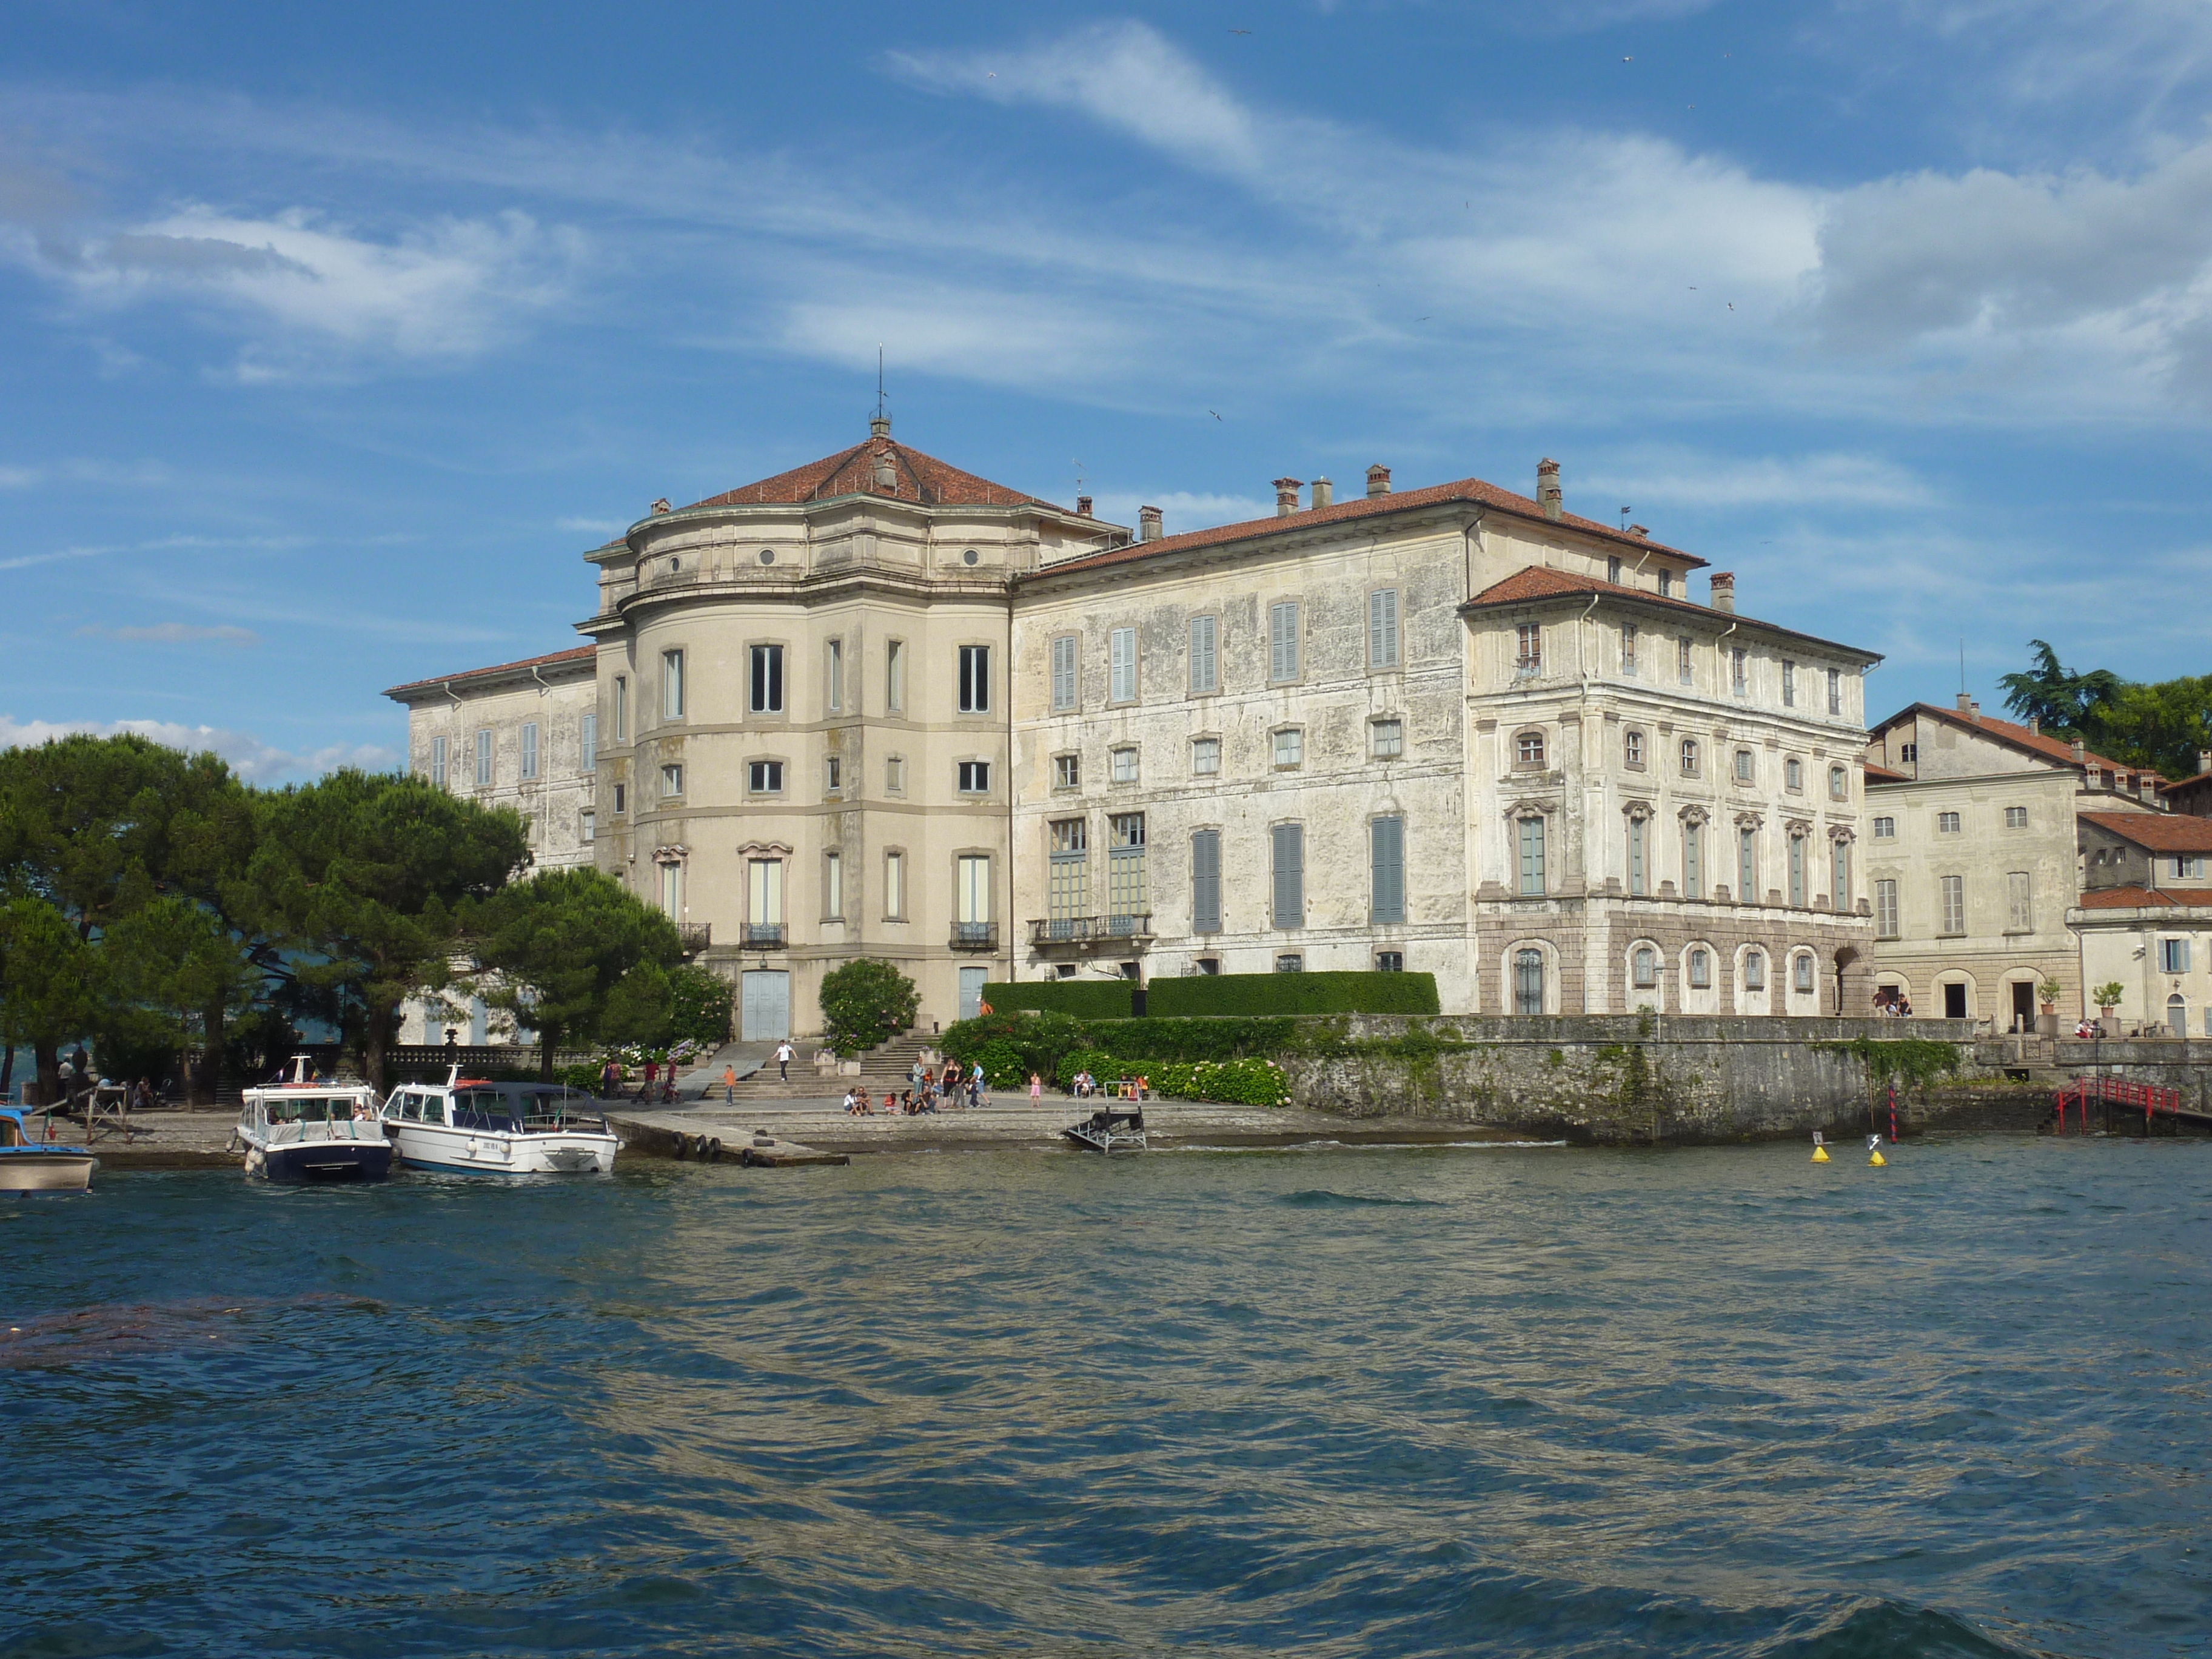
11,1132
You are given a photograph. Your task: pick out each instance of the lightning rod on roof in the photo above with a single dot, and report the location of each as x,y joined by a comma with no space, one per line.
879,379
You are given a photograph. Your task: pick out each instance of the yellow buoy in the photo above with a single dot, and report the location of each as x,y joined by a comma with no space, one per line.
1877,1159
1820,1155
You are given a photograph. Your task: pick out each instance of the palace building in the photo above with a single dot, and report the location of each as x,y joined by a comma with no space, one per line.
879,707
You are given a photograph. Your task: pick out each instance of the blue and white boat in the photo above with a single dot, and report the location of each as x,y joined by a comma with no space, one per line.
310,1130
28,1164
473,1127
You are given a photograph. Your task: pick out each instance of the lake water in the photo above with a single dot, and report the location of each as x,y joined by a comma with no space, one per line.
1346,1402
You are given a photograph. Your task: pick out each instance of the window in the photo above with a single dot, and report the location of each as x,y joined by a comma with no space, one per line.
894,886
1063,673
2188,867
1530,833
974,777
895,676
1797,872
1386,870
1205,882
833,775
1206,964
1205,661
1801,968
1739,669
1884,909
1127,895
1681,656
622,707
1908,752
1528,981
1528,749
1613,571
672,685
1124,765
1067,771
1382,627
671,780
1743,766
438,762
1793,775
1204,757
620,792
1390,962
2173,956
1747,865
1632,749
1290,747
895,773
1835,690
833,669
1693,865
1067,894
2015,817
1946,823
672,889
768,679
1955,904
1885,829
1388,738
1287,848
2019,905
1290,962
764,889
1121,665
1839,874
1789,684
585,825
1666,584
1754,970
1283,640
971,897
1638,885
1701,968
483,760
1628,647
1644,968
1528,649
833,886
588,738
1689,758
765,777
974,679
1839,784
529,749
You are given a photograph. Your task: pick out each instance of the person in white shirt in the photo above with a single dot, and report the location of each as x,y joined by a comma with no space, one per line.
784,1051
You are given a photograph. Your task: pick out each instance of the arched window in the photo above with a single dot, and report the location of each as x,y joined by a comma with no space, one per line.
1801,970
1689,758
1528,749
1644,964
1631,748
1527,981
1701,968
1793,774
1743,766
1754,970
1839,784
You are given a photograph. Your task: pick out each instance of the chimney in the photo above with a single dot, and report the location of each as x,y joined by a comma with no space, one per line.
1148,524
1639,531
1083,507
886,473
2204,761
1324,493
1286,497
1724,590
880,427
2035,725
661,506
1378,479
1548,495
1966,704
2080,753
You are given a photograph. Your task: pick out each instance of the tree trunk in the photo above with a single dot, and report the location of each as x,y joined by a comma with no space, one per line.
7,1071
545,1035
207,1077
47,1056
375,1038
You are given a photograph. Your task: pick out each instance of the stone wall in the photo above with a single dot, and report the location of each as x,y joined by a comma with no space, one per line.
1606,1079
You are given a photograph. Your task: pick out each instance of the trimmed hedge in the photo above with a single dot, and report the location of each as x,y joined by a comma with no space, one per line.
1086,999
1202,994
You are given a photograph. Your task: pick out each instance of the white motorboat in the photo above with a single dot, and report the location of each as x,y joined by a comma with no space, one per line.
306,1128
28,1164
477,1127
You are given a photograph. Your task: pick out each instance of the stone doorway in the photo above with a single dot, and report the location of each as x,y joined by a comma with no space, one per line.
2023,1006
1954,1002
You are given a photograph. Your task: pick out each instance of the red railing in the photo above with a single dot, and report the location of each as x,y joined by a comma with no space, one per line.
2117,1091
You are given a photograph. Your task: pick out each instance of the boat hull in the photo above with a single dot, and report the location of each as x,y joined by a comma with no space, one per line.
320,1161
492,1151
43,1171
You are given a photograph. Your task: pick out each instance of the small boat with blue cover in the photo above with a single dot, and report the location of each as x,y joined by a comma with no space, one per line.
28,1164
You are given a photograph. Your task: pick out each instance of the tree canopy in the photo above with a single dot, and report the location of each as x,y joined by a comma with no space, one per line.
865,1002
2162,725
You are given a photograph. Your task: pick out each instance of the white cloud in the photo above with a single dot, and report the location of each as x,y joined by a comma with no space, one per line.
249,756
114,475
1182,509
1677,477
173,633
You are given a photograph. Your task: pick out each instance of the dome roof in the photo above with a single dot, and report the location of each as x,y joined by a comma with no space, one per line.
914,477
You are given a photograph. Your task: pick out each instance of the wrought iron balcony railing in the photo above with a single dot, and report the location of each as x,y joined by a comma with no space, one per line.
975,935
695,936
763,936
1085,930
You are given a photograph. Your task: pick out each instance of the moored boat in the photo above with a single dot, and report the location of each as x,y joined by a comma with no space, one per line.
28,1164
306,1128
474,1127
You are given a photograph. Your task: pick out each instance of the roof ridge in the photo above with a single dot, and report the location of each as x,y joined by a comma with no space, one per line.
568,655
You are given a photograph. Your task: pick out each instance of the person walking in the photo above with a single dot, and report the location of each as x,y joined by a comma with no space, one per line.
784,1051
610,1080
729,1085
652,1077
977,1090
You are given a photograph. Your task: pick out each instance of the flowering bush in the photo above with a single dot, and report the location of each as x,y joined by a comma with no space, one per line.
1254,1082
1002,1064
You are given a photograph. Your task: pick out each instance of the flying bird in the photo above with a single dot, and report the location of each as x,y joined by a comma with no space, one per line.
1240,31
1731,305
1628,60
1216,413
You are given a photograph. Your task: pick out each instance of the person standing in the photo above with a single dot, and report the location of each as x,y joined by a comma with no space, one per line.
729,1085
784,1051
652,1077
1037,1088
976,1090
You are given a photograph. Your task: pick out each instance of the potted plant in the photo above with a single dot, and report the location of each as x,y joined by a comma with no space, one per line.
2048,994
2107,998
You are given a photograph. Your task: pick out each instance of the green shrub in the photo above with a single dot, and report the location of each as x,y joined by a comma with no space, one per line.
699,1005
1250,1082
1085,998
586,1077
867,1002
1201,1039
1097,1061
1001,1063
1202,994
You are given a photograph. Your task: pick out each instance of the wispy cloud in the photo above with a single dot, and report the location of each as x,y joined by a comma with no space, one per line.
172,632
1182,509
105,475
255,761
1676,477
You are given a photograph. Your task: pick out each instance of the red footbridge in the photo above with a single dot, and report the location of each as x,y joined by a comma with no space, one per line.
2108,1092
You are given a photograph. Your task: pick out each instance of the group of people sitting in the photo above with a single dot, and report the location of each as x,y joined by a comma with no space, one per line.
660,1082
927,1091
1892,1003
905,1104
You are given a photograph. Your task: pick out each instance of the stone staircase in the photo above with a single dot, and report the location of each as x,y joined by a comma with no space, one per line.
883,1071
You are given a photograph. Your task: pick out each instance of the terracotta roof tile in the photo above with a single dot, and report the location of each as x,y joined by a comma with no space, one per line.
1472,491
2143,898
2183,783
2161,832
1882,774
578,655
2011,732
1537,581
915,478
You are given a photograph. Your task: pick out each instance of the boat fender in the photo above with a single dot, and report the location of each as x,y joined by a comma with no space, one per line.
714,1150
745,1158
682,1147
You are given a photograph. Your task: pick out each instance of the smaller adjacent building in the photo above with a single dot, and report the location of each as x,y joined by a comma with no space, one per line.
2145,917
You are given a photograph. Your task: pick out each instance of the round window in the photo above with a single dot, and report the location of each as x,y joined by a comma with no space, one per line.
673,566
767,555
969,557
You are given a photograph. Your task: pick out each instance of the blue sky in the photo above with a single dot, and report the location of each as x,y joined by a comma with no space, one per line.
330,337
